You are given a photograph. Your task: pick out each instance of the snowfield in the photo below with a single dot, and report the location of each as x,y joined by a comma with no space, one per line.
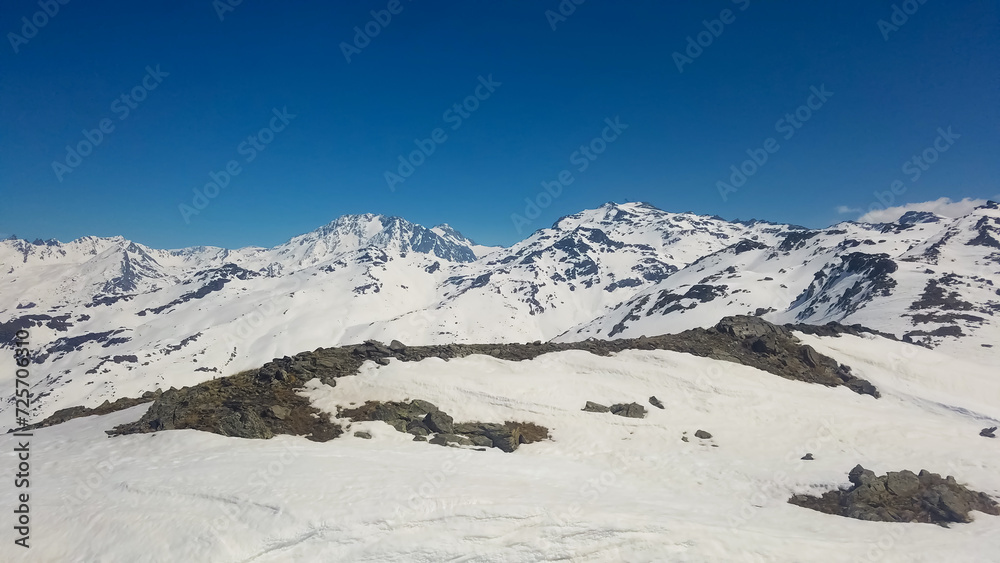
604,488
112,318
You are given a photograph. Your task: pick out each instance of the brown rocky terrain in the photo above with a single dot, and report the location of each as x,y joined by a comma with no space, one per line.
263,402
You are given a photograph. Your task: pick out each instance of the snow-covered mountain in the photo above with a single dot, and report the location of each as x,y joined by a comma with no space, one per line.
115,318
926,278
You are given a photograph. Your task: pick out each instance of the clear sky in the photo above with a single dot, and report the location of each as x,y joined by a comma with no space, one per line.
202,94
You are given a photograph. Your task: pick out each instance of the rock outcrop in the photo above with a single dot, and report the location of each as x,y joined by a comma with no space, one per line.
107,407
245,405
901,496
423,419
263,402
629,410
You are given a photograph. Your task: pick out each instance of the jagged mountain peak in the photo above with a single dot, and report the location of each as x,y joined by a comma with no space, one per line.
914,217
446,230
390,233
609,212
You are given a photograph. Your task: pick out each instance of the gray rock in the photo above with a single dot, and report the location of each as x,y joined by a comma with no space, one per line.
988,432
630,410
810,357
955,507
423,407
656,402
440,422
364,435
595,407
901,497
397,346
765,345
458,439
902,483
417,428
244,425
860,476
279,412
481,441
807,457
702,435
449,439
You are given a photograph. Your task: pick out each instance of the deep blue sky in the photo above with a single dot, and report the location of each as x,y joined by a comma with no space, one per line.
354,119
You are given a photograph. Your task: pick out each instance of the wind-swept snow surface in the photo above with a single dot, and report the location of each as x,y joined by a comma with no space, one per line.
605,488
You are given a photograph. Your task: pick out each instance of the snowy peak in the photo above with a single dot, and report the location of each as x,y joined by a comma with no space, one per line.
914,217
356,232
446,231
620,270
609,213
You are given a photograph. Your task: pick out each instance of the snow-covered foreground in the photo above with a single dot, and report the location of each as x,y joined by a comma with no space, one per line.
606,488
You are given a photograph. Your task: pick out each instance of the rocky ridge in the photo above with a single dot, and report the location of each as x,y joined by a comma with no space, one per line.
263,402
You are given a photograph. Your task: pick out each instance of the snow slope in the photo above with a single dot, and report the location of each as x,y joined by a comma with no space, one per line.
605,488
937,282
114,318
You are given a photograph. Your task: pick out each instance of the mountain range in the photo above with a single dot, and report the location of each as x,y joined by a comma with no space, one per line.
112,317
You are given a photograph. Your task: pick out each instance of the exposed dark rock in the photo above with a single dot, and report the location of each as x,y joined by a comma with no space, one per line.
988,432
701,434
421,418
208,405
935,296
245,405
901,497
363,435
656,402
912,217
417,428
106,407
243,424
630,410
397,346
668,302
595,407
808,457
796,240
216,280
440,422
448,439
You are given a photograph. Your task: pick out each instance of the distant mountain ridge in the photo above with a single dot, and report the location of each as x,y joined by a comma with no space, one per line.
114,317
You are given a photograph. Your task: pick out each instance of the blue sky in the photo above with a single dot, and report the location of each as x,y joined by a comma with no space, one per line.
271,80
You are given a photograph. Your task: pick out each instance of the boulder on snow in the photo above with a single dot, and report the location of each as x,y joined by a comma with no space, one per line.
421,419
630,410
595,407
901,496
